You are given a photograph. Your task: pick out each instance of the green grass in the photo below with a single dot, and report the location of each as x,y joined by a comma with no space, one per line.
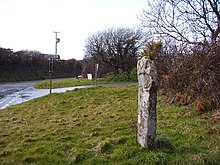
98,126
70,82
65,83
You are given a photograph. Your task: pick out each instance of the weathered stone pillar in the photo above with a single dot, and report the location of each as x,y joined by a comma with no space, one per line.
147,100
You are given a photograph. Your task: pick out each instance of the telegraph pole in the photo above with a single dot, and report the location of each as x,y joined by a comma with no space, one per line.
57,40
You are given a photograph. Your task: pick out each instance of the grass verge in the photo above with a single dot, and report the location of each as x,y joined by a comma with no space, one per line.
98,126
70,82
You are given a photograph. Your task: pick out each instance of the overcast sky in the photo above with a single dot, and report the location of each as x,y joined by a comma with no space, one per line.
29,24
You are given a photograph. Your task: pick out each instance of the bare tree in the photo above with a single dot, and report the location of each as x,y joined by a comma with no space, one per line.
187,21
117,47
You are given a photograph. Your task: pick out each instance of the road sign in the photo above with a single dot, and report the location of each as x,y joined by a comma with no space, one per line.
52,56
89,76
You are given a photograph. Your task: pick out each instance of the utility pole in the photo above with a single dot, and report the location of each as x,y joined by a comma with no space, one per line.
57,40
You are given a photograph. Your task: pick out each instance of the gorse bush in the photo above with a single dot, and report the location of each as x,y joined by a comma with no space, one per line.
152,50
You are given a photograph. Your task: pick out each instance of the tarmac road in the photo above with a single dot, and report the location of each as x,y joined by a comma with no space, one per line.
16,93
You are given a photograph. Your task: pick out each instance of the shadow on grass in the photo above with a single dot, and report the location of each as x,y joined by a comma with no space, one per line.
164,143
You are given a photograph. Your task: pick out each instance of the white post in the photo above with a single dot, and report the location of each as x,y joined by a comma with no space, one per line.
96,73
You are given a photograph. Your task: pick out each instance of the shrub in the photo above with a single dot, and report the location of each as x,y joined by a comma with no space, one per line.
193,74
152,50
133,74
122,76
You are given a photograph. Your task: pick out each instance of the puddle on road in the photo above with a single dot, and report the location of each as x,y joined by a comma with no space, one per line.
29,94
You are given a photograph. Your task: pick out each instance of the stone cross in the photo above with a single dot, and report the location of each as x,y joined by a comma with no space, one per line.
147,100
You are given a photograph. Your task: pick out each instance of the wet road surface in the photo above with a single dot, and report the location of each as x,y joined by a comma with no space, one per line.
15,93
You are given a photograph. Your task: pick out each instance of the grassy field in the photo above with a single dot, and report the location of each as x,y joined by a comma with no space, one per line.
98,126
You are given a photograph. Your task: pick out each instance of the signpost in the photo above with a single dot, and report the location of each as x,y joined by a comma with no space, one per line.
89,76
51,57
